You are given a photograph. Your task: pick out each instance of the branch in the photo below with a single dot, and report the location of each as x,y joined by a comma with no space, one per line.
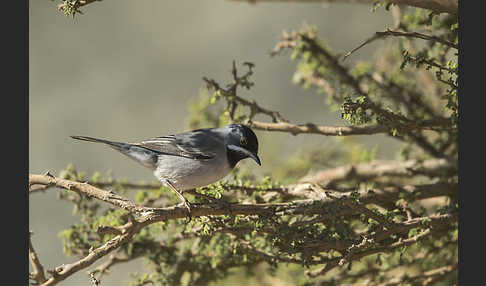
112,260
332,263
283,125
311,191
149,215
365,171
324,204
84,189
231,91
436,275
359,207
436,221
399,121
439,6
38,274
94,280
311,128
428,277
126,185
64,271
388,32
395,120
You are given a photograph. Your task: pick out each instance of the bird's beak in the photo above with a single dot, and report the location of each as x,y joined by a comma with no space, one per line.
245,152
255,157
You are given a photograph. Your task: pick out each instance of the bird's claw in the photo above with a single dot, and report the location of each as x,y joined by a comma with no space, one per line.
186,204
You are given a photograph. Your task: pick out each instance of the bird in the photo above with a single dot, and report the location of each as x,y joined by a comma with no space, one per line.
190,159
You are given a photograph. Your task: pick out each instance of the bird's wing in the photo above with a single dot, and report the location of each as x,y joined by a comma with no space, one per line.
198,144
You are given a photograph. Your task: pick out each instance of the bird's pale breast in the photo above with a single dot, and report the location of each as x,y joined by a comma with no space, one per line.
186,173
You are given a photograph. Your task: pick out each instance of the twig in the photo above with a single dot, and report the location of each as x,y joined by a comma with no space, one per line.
84,189
428,277
435,221
433,64
345,76
367,41
253,105
94,280
388,32
125,185
112,260
271,256
332,263
369,213
65,271
38,274
374,169
435,275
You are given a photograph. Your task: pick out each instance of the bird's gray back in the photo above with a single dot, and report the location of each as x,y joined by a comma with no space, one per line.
196,144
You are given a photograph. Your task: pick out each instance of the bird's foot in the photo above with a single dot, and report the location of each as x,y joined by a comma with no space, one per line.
186,204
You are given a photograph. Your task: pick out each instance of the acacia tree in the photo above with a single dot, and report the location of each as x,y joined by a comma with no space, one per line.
361,220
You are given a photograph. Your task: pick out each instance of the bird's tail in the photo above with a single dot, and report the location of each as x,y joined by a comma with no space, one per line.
142,155
117,145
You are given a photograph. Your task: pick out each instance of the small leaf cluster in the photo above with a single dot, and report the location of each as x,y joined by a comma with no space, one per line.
70,7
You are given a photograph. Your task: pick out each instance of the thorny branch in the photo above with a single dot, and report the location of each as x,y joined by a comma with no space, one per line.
149,215
357,254
307,186
281,124
295,207
230,92
397,125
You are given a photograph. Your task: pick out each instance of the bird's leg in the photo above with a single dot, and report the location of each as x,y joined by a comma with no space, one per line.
185,202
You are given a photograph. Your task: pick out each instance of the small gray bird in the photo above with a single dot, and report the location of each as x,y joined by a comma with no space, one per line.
191,159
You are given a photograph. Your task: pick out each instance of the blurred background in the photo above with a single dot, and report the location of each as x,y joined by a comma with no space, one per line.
126,70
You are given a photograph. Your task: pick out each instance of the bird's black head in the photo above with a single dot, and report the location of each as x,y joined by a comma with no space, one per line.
241,143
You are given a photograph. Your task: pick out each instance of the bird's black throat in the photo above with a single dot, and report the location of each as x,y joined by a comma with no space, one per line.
234,157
